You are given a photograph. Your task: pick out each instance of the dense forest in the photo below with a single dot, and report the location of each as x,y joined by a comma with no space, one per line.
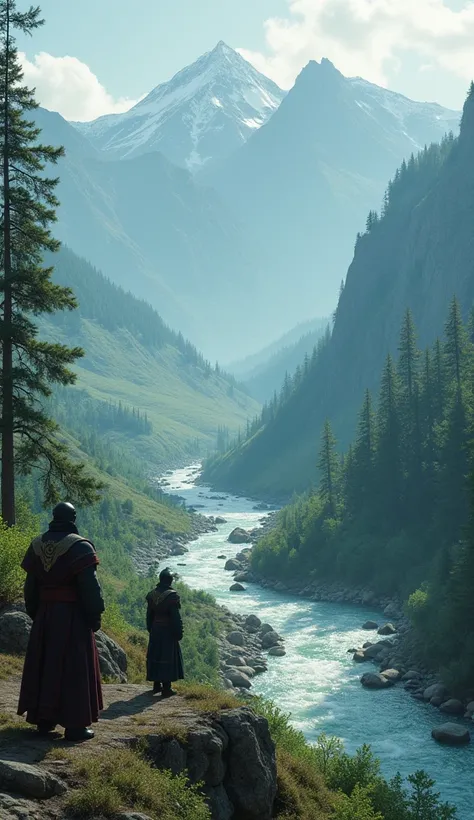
393,512
415,253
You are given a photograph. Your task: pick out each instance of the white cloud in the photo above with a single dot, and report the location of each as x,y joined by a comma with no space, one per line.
369,38
67,85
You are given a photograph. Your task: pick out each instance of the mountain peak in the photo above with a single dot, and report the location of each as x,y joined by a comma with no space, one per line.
207,110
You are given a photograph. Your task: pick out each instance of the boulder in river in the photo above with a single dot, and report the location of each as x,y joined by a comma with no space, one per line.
359,656
451,734
370,625
265,628
387,629
374,680
237,588
232,565
452,707
270,639
239,536
277,651
392,675
222,557
220,520
411,675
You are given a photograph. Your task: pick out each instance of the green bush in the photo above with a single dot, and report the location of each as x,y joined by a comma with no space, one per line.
14,542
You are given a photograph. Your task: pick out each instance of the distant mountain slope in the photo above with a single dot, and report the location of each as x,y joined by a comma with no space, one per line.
203,113
306,180
264,372
417,255
150,228
134,358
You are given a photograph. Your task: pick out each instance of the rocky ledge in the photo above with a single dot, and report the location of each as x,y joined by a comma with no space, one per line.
229,751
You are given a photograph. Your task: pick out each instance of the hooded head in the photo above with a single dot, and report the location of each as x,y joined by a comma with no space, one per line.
64,513
166,577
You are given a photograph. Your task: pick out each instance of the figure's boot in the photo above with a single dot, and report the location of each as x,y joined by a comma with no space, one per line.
167,692
78,735
45,727
157,687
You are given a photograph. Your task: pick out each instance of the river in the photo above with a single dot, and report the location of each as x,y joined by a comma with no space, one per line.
317,681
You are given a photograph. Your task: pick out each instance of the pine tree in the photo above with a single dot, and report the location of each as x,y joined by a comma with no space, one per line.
328,466
363,467
408,356
29,366
388,445
455,347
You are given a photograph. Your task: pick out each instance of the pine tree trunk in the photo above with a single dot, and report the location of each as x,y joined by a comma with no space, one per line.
8,459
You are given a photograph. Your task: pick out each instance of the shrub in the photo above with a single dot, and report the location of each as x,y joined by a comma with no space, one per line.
14,543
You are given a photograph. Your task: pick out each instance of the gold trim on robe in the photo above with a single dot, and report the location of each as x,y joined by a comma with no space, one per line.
156,598
49,551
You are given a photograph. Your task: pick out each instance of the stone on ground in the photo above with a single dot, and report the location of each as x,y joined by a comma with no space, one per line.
387,629
239,536
29,781
236,638
374,680
452,707
15,627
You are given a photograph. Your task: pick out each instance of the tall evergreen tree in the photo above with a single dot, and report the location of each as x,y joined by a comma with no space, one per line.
408,355
388,445
28,365
455,347
363,457
328,466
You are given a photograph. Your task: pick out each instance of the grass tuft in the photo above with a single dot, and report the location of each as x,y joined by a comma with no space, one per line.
118,780
207,699
10,666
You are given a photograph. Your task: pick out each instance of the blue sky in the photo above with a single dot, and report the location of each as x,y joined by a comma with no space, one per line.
91,59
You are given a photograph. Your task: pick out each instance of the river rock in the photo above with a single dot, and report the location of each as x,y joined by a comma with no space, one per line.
452,707
265,628
387,629
391,611
359,656
270,639
222,557
236,638
374,680
277,651
237,588
437,690
370,625
238,678
470,709
372,651
29,781
452,734
392,674
243,557
220,520
253,622
232,565
241,577
239,536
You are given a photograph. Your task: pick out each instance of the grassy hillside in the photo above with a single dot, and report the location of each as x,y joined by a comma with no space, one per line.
134,358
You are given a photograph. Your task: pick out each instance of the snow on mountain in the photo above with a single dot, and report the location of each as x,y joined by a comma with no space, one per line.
420,122
204,112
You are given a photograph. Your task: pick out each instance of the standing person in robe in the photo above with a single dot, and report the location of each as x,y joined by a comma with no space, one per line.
164,624
61,677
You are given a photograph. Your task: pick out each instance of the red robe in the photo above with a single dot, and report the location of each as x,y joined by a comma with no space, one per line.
61,677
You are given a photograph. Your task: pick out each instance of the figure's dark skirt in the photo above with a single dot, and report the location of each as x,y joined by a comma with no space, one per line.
164,658
61,678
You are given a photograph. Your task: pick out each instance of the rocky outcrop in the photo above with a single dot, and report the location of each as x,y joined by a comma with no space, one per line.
233,755
242,646
112,658
374,680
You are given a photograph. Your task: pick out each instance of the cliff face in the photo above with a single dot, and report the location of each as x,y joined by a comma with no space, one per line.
229,751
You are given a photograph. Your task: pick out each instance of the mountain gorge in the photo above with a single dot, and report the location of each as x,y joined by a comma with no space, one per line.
417,255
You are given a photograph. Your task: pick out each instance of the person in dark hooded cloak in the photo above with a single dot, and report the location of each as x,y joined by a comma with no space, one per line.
164,624
61,677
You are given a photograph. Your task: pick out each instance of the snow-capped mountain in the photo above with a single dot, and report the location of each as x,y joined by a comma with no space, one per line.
205,112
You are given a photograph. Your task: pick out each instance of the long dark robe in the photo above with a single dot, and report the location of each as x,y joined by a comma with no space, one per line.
164,658
61,677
